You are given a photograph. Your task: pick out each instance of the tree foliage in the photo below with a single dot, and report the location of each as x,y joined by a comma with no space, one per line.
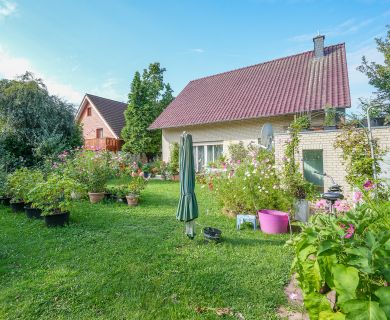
33,123
148,97
379,77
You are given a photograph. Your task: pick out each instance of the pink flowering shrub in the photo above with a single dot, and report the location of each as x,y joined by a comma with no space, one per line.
349,254
248,185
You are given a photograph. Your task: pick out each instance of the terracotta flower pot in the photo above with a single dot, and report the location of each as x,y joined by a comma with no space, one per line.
95,197
132,200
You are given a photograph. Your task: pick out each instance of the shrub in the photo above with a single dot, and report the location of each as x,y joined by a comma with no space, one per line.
136,185
173,166
249,185
4,189
55,195
293,181
237,151
21,181
349,254
91,168
357,155
303,122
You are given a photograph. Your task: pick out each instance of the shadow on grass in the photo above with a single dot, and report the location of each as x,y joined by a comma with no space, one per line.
240,242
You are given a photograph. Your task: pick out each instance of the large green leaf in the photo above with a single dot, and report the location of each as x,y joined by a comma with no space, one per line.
384,299
346,280
326,247
326,264
316,303
363,310
330,315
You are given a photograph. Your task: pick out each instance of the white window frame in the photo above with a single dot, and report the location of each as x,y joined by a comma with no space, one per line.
205,145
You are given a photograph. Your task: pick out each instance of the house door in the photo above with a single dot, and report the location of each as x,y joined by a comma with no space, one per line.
313,162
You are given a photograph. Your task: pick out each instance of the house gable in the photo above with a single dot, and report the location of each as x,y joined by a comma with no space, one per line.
91,123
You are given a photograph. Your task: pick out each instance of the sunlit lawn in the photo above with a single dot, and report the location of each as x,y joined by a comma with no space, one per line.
116,262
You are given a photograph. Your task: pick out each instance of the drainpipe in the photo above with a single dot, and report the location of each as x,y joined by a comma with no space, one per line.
370,139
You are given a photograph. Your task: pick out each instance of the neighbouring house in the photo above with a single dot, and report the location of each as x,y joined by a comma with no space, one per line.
233,106
102,120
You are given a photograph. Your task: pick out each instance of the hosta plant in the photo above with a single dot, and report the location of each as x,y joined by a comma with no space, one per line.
350,255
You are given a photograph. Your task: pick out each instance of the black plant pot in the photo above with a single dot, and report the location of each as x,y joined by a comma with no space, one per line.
108,196
17,206
5,201
146,175
33,212
57,219
212,234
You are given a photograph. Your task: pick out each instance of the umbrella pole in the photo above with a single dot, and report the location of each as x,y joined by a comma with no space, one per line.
190,229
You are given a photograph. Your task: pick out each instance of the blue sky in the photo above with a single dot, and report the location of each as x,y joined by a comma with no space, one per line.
96,46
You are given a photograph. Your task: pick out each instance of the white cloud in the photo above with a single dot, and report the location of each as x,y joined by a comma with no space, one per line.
198,50
346,27
7,8
11,67
108,89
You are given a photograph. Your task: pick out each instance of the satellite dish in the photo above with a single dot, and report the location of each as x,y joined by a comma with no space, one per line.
267,136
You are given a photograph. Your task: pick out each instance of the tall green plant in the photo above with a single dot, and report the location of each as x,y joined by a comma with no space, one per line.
293,180
356,154
148,97
349,254
173,166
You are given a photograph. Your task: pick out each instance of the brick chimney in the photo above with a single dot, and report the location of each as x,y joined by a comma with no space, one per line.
319,46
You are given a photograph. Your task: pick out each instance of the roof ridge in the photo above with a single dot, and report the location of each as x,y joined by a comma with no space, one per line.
265,62
94,95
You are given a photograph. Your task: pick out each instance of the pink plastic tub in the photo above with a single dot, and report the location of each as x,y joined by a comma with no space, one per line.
273,221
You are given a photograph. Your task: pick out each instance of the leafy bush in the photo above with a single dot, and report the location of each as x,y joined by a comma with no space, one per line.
349,254
303,122
4,189
90,168
249,185
173,166
136,185
237,151
293,181
55,195
357,155
21,181
119,191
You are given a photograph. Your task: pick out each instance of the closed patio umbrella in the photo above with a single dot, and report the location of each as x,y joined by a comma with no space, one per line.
187,210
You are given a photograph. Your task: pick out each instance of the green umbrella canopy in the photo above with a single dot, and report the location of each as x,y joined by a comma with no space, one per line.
187,210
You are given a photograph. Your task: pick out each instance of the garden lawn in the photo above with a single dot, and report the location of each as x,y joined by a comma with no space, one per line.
116,262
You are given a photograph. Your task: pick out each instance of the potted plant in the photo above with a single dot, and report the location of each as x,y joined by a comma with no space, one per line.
304,122
34,177
4,189
136,185
173,166
16,183
330,118
146,170
54,198
96,169
118,192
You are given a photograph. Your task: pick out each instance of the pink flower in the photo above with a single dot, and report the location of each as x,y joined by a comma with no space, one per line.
342,206
357,197
238,161
368,185
321,204
350,231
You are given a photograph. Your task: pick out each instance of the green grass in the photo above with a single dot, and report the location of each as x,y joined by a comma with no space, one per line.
116,262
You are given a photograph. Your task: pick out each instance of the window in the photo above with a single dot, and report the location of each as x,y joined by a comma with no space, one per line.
313,164
205,154
89,112
99,133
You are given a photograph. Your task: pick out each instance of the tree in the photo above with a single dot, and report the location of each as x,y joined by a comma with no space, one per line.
148,97
379,77
33,124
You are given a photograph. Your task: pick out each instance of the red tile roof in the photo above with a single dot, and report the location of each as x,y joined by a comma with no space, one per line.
283,86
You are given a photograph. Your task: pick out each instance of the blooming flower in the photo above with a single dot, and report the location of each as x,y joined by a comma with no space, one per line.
357,197
350,231
321,204
238,161
368,185
342,206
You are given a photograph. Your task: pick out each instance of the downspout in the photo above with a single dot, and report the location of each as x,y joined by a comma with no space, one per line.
370,141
